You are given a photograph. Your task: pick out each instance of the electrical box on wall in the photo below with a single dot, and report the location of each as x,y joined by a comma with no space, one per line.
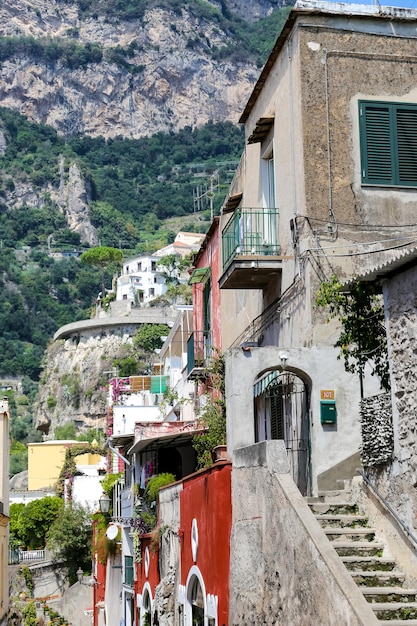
328,412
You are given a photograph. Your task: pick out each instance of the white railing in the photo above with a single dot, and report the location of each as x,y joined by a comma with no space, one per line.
31,555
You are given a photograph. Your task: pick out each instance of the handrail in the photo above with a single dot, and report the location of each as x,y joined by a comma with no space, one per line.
390,509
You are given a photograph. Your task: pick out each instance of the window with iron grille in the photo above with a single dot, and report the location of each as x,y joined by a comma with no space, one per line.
388,141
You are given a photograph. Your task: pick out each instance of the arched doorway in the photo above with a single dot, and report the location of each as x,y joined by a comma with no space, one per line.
196,599
145,608
282,412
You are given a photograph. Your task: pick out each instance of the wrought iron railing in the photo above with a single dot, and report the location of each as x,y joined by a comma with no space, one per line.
250,232
199,350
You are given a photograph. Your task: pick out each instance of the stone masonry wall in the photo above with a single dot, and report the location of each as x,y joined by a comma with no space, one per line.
377,433
398,481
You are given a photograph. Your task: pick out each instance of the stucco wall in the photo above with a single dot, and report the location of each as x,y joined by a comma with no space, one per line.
284,570
320,369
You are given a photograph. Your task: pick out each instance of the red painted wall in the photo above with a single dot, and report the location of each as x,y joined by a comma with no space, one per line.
206,496
153,577
209,256
99,577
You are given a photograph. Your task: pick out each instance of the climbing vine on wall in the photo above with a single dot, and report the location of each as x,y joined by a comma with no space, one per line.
69,468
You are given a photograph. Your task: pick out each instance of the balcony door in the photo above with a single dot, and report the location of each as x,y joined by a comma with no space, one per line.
268,183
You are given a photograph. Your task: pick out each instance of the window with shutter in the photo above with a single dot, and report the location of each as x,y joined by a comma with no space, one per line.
388,140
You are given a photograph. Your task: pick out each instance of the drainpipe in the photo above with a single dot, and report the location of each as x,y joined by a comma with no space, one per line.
118,454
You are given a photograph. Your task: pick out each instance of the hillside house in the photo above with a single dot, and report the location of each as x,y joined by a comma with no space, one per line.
184,244
140,280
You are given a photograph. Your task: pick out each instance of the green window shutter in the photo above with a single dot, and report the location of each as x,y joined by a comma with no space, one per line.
388,141
376,144
407,145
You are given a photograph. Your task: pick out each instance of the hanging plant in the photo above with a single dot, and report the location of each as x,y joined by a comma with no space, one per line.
213,415
137,552
102,545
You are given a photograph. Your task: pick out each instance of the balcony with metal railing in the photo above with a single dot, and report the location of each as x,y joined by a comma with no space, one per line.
250,249
199,353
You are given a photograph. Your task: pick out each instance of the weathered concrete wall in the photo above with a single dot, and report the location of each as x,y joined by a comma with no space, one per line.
74,603
169,556
49,580
284,570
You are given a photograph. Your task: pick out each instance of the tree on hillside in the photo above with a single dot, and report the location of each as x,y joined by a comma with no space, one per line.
70,538
148,336
101,257
29,524
172,267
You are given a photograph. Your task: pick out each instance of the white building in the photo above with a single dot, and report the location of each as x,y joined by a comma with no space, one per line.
140,281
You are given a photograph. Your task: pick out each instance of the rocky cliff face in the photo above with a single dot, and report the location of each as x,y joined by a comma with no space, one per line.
73,382
176,82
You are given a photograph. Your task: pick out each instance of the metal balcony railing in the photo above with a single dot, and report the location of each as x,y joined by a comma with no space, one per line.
250,232
199,350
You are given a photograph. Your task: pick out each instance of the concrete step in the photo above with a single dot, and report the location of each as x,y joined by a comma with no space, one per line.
341,521
395,610
350,534
378,578
398,622
368,563
335,508
358,548
389,594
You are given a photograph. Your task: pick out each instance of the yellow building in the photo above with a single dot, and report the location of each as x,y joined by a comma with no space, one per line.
45,461
4,509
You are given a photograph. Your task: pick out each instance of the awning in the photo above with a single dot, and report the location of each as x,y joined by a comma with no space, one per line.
261,386
232,203
120,440
173,440
200,275
261,129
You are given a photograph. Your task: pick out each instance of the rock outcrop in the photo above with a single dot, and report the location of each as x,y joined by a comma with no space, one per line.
74,201
73,382
172,79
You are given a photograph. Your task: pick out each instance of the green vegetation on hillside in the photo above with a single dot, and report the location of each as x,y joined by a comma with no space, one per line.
67,51
246,41
135,184
73,54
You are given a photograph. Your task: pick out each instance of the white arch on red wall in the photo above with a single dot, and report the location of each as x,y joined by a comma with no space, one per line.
139,600
210,600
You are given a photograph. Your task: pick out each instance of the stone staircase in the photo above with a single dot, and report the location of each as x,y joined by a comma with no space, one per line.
377,576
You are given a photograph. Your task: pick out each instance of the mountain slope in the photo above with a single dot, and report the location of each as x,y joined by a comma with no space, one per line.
101,72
